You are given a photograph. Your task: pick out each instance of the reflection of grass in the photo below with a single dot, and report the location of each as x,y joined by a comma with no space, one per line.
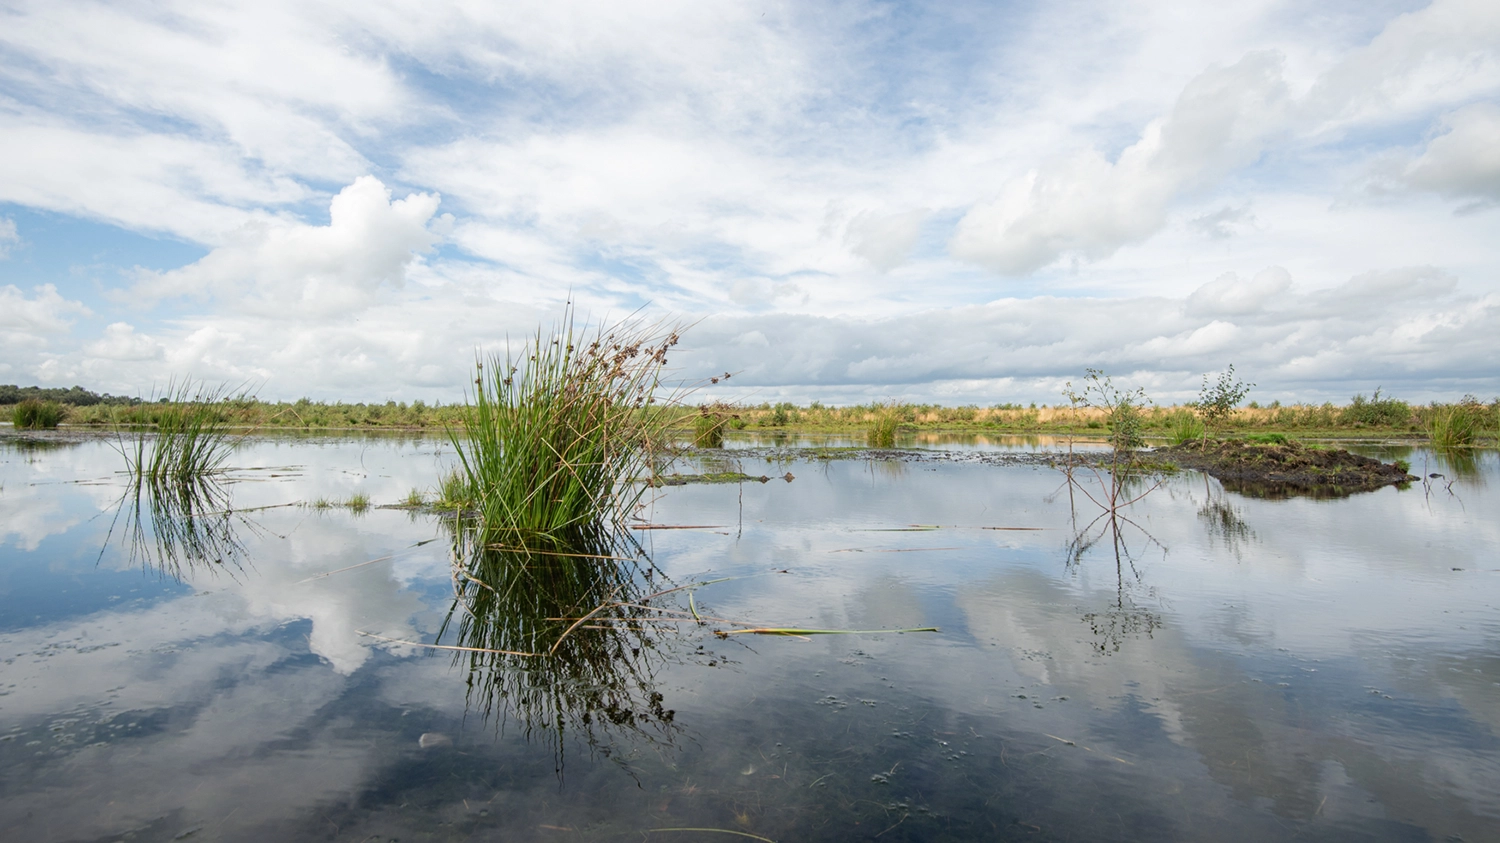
558,637
176,527
557,434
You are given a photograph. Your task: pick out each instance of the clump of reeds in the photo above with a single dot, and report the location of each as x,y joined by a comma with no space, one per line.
190,441
557,434
1456,425
882,434
454,492
710,423
1184,427
32,414
356,503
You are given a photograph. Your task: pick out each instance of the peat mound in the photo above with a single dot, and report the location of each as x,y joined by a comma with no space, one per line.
1286,469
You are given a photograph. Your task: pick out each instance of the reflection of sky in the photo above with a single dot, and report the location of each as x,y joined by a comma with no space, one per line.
1337,670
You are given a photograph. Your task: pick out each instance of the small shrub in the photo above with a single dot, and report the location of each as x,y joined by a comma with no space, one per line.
1122,409
1216,403
32,414
1376,412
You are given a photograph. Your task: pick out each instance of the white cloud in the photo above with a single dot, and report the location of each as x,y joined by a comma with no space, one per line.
40,317
144,181
1464,161
885,240
776,165
1410,329
299,271
1230,295
1090,206
1434,57
121,343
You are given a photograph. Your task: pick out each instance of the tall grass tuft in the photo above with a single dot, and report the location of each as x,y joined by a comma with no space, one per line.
1456,425
882,434
708,428
1184,427
558,434
190,442
31,414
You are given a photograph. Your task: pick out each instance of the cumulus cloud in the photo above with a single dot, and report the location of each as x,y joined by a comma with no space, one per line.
307,271
120,342
1464,161
1090,206
1231,295
42,316
1408,328
764,164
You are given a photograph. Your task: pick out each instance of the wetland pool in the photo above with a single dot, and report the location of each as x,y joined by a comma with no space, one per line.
1209,666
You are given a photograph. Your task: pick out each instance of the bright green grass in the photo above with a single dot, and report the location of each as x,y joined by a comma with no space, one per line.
558,433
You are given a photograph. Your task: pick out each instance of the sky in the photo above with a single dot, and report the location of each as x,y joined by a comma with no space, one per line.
964,202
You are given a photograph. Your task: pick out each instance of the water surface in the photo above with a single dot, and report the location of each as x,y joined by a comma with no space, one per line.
1208,666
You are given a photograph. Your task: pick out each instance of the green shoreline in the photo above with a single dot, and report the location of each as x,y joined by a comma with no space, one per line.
1387,419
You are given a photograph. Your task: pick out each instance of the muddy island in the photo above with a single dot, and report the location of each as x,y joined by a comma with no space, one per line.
1285,468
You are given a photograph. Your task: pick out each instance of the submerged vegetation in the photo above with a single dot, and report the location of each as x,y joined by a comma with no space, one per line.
558,434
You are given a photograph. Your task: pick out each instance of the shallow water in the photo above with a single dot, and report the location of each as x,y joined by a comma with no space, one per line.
1241,669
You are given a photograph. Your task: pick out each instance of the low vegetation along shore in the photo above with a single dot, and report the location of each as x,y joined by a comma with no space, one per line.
1378,416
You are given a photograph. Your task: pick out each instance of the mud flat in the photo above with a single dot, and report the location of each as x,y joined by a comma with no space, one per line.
1286,469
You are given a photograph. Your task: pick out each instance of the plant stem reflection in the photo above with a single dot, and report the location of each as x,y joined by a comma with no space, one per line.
559,636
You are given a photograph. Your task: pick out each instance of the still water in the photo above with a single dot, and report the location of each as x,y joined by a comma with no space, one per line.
1209,666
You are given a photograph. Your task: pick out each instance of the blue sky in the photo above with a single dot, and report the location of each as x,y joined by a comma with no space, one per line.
849,201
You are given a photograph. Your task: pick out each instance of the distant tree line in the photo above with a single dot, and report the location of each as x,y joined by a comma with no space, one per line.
76,396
